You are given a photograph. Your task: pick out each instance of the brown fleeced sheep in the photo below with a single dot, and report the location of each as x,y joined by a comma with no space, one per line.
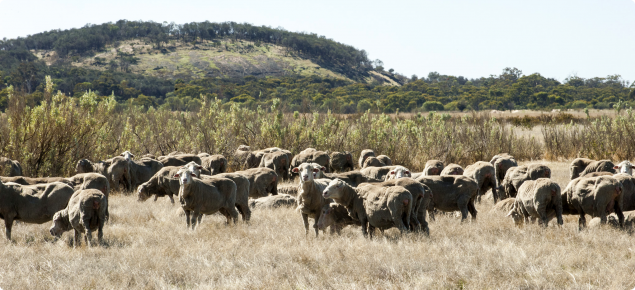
262,181
452,169
515,177
161,184
452,193
373,162
577,166
34,204
372,205
310,200
502,162
86,212
215,164
504,206
537,199
206,196
365,154
485,175
341,161
385,160
273,201
599,166
10,167
595,196
278,161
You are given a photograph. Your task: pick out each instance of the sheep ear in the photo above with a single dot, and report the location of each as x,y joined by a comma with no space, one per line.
323,168
392,172
199,167
176,175
616,167
316,170
131,154
121,154
408,172
193,174
295,170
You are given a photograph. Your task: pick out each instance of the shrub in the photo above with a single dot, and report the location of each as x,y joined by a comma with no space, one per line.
432,106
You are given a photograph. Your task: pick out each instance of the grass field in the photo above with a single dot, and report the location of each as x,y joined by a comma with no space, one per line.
147,246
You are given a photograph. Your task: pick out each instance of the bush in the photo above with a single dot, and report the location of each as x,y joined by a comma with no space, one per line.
432,106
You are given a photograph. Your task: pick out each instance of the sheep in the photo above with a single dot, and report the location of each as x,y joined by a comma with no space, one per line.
433,167
452,193
452,169
502,162
215,164
537,199
116,169
398,172
365,154
625,167
515,177
262,181
504,206
599,166
10,167
373,206
273,201
179,160
319,157
485,175
206,196
376,174
373,162
252,159
32,203
341,161
142,170
240,156
35,180
595,196
161,184
308,150
628,184
310,200
86,212
278,161
578,165
385,160
353,178
336,216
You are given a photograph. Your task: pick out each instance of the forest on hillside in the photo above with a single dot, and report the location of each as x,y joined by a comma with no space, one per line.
22,74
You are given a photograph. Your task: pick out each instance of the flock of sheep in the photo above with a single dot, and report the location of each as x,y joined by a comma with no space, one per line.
330,191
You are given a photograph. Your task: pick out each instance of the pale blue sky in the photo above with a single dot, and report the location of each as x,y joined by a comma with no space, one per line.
557,38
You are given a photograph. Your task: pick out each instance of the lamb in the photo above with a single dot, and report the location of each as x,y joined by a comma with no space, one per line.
504,206
373,206
215,164
341,161
376,174
86,212
452,169
485,176
385,160
32,203
10,167
365,154
273,201
310,200
537,199
502,162
262,181
595,196
319,157
398,172
278,161
373,162
577,166
336,216
452,193
515,177
206,196
161,184
599,166
625,167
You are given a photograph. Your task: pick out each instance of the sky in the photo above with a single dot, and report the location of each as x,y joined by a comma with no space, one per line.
556,38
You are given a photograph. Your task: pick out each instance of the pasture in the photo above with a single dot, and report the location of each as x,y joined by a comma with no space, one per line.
146,246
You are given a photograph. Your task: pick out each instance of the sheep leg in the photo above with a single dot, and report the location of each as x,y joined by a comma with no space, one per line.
472,209
541,208
89,233
156,196
170,196
199,217
194,218
364,227
305,218
315,227
371,231
581,222
619,213
8,224
187,218
100,231
77,241
233,213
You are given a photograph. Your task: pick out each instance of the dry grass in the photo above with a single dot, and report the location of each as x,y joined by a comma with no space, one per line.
147,246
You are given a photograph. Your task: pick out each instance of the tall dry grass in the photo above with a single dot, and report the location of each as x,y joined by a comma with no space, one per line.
148,247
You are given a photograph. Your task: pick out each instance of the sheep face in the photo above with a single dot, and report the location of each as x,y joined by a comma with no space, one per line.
143,192
127,155
326,218
194,168
399,172
307,171
334,189
185,176
59,225
625,167
83,166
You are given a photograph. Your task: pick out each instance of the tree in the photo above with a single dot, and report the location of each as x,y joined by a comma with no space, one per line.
432,106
